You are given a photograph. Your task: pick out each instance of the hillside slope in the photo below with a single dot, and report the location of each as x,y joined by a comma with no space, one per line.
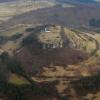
71,17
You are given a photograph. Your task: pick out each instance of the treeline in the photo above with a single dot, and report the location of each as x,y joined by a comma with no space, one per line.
94,22
21,92
14,66
87,85
4,39
78,1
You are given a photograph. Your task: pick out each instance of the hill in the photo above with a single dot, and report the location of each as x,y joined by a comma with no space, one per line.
51,53
71,16
46,60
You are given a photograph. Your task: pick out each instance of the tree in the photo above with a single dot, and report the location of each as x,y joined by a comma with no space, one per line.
94,22
4,57
15,67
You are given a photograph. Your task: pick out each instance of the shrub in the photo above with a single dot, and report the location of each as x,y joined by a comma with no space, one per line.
29,29
16,36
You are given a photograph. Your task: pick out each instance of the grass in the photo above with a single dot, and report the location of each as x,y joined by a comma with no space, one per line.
18,80
10,46
81,40
50,37
13,31
8,10
5,14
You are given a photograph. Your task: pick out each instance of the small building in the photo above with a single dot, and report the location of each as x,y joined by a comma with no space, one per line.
47,30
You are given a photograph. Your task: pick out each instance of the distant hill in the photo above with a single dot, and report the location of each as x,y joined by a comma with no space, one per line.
74,16
89,3
5,0
79,1
82,1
